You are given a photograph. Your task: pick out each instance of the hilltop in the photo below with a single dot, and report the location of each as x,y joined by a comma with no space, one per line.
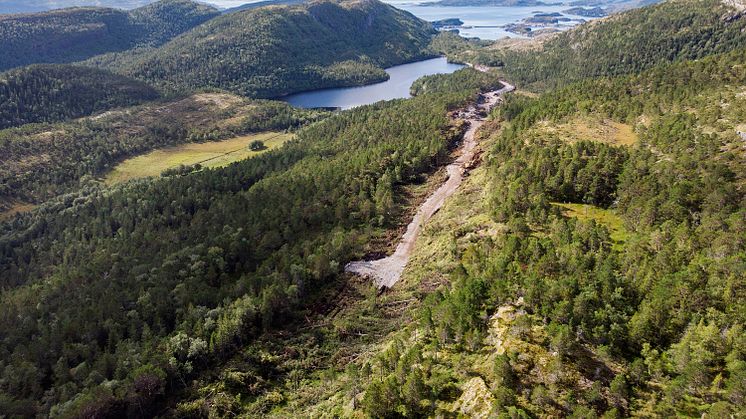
277,50
74,34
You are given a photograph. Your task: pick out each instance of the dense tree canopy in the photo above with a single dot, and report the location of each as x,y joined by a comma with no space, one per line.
574,277
50,93
623,43
664,307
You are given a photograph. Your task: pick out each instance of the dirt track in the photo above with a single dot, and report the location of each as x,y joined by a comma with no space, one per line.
387,271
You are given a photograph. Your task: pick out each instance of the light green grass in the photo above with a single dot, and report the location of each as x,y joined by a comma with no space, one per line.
607,218
209,154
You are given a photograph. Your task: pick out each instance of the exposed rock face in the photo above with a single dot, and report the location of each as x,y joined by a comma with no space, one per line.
476,401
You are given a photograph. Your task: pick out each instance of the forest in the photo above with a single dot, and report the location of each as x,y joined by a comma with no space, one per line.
75,34
52,93
196,264
591,264
625,43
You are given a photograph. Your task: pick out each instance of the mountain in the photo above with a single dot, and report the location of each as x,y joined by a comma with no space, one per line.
68,35
273,51
490,3
49,92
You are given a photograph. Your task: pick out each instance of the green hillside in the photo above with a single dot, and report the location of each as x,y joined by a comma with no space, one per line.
49,93
272,51
74,34
624,43
550,316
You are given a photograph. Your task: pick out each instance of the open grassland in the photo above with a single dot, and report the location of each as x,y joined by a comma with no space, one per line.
209,154
590,129
605,217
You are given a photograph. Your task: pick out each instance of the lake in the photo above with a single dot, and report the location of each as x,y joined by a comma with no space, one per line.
396,87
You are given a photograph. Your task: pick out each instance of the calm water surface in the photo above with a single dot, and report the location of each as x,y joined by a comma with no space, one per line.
401,79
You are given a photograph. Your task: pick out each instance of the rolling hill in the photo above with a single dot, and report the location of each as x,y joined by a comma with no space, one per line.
273,51
41,161
55,92
74,34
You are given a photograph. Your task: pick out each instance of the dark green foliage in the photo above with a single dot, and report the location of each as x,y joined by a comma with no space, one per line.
68,35
50,93
273,51
465,79
630,42
179,271
257,145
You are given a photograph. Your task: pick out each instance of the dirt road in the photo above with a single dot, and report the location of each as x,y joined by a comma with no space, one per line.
387,271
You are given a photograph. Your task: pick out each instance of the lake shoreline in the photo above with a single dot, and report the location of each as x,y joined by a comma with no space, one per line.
397,86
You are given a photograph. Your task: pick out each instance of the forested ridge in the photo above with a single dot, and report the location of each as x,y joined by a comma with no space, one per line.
50,93
195,265
277,50
75,34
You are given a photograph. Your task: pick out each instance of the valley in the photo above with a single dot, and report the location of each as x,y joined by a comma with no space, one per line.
192,224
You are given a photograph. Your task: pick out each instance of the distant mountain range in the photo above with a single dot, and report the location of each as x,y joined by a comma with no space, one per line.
28,6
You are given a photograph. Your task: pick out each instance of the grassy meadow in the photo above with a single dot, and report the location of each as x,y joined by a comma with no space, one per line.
208,154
